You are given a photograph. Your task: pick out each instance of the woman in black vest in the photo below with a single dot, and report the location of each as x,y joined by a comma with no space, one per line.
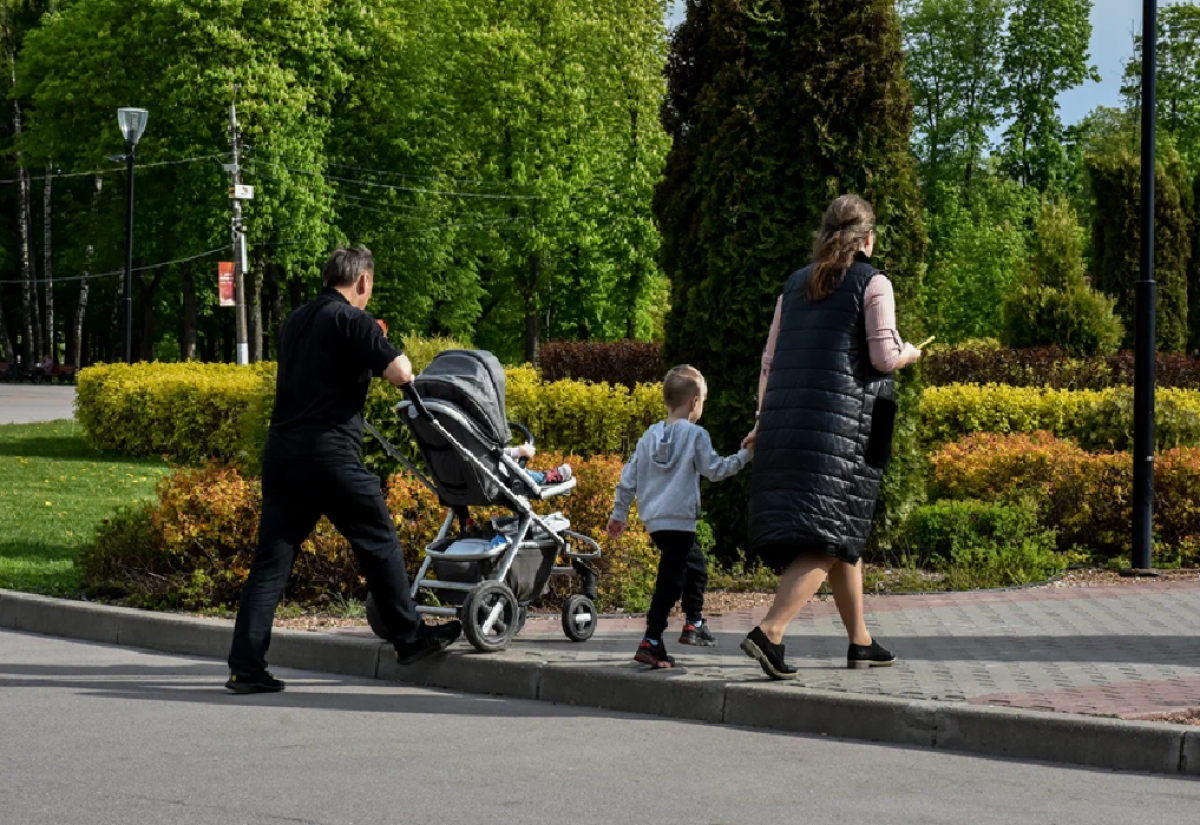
824,431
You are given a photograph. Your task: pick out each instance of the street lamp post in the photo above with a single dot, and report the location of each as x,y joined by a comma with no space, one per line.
132,123
1147,299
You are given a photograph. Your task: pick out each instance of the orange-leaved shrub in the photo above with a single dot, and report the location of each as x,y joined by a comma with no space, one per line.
192,547
1087,497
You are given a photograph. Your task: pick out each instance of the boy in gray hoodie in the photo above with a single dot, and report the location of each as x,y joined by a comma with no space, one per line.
664,475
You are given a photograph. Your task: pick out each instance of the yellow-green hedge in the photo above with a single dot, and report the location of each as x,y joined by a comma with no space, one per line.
1096,419
191,412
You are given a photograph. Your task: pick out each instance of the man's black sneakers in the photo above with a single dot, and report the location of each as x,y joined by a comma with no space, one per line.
262,683
654,655
699,636
768,655
872,655
431,639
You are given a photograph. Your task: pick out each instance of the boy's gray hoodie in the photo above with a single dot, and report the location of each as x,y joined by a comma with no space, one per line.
664,475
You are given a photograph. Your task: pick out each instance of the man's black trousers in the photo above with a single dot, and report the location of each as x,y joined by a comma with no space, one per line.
296,493
682,571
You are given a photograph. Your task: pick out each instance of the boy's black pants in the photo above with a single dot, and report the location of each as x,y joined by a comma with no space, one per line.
682,571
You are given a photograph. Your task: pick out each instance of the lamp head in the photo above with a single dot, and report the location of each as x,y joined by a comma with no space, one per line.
132,123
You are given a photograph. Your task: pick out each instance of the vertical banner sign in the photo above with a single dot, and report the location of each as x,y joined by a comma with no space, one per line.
225,282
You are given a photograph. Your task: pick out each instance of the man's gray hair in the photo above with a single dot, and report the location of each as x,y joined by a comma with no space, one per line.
346,264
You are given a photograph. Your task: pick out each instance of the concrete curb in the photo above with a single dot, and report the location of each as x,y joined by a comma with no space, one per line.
989,731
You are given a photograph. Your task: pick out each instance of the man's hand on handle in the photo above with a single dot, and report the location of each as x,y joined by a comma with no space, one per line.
399,373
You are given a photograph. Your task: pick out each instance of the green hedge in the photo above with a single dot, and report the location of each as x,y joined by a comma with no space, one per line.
1096,419
189,412
192,412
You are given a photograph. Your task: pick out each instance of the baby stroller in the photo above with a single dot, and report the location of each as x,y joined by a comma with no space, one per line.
488,575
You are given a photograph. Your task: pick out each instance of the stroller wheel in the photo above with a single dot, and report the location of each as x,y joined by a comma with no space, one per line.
491,616
375,620
579,618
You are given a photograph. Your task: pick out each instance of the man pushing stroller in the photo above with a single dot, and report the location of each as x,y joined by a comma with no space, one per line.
329,351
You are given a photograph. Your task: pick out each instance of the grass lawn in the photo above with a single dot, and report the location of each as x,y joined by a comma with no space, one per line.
54,492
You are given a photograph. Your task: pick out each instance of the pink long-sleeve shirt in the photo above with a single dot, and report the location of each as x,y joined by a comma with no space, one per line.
883,340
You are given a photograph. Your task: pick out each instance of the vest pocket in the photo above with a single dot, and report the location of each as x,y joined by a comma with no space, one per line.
883,425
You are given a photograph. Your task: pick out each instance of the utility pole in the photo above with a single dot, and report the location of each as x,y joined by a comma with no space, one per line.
239,237
1147,295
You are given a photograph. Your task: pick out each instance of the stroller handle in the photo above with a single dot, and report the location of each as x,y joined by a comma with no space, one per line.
523,430
410,392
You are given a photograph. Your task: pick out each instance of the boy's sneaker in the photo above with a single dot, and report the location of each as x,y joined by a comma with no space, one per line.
872,655
768,655
699,636
653,655
262,683
559,475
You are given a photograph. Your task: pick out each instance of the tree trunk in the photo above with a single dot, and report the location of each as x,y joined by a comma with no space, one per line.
255,308
187,344
149,293
274,311
47,271
296,293
28,347
84,285
35,298
531,315
5,340
635,277
115,341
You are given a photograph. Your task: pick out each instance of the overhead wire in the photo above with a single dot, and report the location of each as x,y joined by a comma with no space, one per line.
114,170
121,271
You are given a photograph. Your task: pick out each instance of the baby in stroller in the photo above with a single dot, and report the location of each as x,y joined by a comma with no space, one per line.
488,575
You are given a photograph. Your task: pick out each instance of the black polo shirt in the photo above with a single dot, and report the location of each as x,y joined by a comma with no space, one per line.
328,353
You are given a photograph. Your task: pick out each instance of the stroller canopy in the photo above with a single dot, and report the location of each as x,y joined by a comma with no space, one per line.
473,381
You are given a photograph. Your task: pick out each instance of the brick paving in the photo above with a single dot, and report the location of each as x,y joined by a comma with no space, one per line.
1131,652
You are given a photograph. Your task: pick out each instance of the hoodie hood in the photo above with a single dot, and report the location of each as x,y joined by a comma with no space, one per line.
667,443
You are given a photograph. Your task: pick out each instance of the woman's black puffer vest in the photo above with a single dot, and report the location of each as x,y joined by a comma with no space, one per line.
825,427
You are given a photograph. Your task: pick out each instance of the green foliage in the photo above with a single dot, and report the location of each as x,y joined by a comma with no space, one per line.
1097,419
1055,368
193,412
498,157
575,417
621,362
189,412
775,109
990,544
1045,54
954,57
1116,238
192,547
979,251
1078,319
1058,247
1054,305
1177,85
1086,497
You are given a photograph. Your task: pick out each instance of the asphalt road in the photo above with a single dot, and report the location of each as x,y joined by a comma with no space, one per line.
27,403
100,735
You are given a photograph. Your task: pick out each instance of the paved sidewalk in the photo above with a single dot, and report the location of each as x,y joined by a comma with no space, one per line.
1132,652
29,403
